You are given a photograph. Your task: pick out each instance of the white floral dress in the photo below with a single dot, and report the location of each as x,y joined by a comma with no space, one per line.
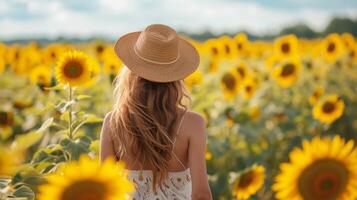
177,186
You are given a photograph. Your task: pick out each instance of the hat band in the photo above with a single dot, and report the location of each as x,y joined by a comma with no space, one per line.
153,61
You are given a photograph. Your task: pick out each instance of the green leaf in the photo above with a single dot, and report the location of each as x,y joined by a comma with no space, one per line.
65,116
45,125
56,87
24,191
91,118
66,105
42,166
4,182
5,133
81,97
94,146
29,139
49,106
76,148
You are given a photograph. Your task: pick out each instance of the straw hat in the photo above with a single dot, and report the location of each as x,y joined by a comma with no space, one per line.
157,54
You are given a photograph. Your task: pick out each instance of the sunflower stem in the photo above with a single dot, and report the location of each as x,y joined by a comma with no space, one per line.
70,112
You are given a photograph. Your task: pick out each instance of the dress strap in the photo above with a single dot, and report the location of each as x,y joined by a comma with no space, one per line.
177,133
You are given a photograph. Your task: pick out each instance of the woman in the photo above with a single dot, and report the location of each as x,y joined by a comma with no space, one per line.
150,127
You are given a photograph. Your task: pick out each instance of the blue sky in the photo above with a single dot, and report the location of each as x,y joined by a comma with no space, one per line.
110,18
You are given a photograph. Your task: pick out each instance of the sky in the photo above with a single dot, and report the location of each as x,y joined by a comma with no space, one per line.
111,18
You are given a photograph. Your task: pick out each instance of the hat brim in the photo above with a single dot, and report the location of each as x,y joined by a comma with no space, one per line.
185,65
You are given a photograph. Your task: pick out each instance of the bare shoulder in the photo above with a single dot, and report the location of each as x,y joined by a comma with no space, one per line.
106,126
107,119
195,124
194,118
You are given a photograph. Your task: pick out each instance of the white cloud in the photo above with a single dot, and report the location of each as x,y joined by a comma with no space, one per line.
117,6
4,6
114,17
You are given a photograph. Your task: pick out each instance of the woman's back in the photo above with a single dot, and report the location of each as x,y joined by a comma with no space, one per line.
180,139
189,145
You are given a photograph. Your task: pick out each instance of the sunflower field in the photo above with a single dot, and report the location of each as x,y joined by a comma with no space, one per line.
281,118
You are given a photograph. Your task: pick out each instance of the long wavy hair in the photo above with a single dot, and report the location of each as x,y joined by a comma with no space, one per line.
146,115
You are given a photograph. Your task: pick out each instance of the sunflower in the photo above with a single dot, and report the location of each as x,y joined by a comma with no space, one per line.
248,182
348,40
22,103
214,48
13,54
332,48
242,70
2,65
321,169
259,49
228,47
229,84
195,78
10,158
271,62
112,67
51,53
41,76
6,119
94,73
353,53
286,46
208,155
87,179
318,92
254,113
286,73
99,49
242,44
213,65
74,68
249,87
328,109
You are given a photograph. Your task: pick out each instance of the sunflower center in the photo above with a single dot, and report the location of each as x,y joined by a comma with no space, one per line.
331,47
239,46
317,94
241,71
248,88
99,49
214,51
228,50
323,179
285,48
229,81
53,55
328,107
85,190
17,55
288,69
73,70
246,179
3,118
41,79
211,65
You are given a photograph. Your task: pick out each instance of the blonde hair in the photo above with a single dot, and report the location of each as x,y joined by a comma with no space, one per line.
145,115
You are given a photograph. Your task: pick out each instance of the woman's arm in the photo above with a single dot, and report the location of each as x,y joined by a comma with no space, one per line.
106,143
197,161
